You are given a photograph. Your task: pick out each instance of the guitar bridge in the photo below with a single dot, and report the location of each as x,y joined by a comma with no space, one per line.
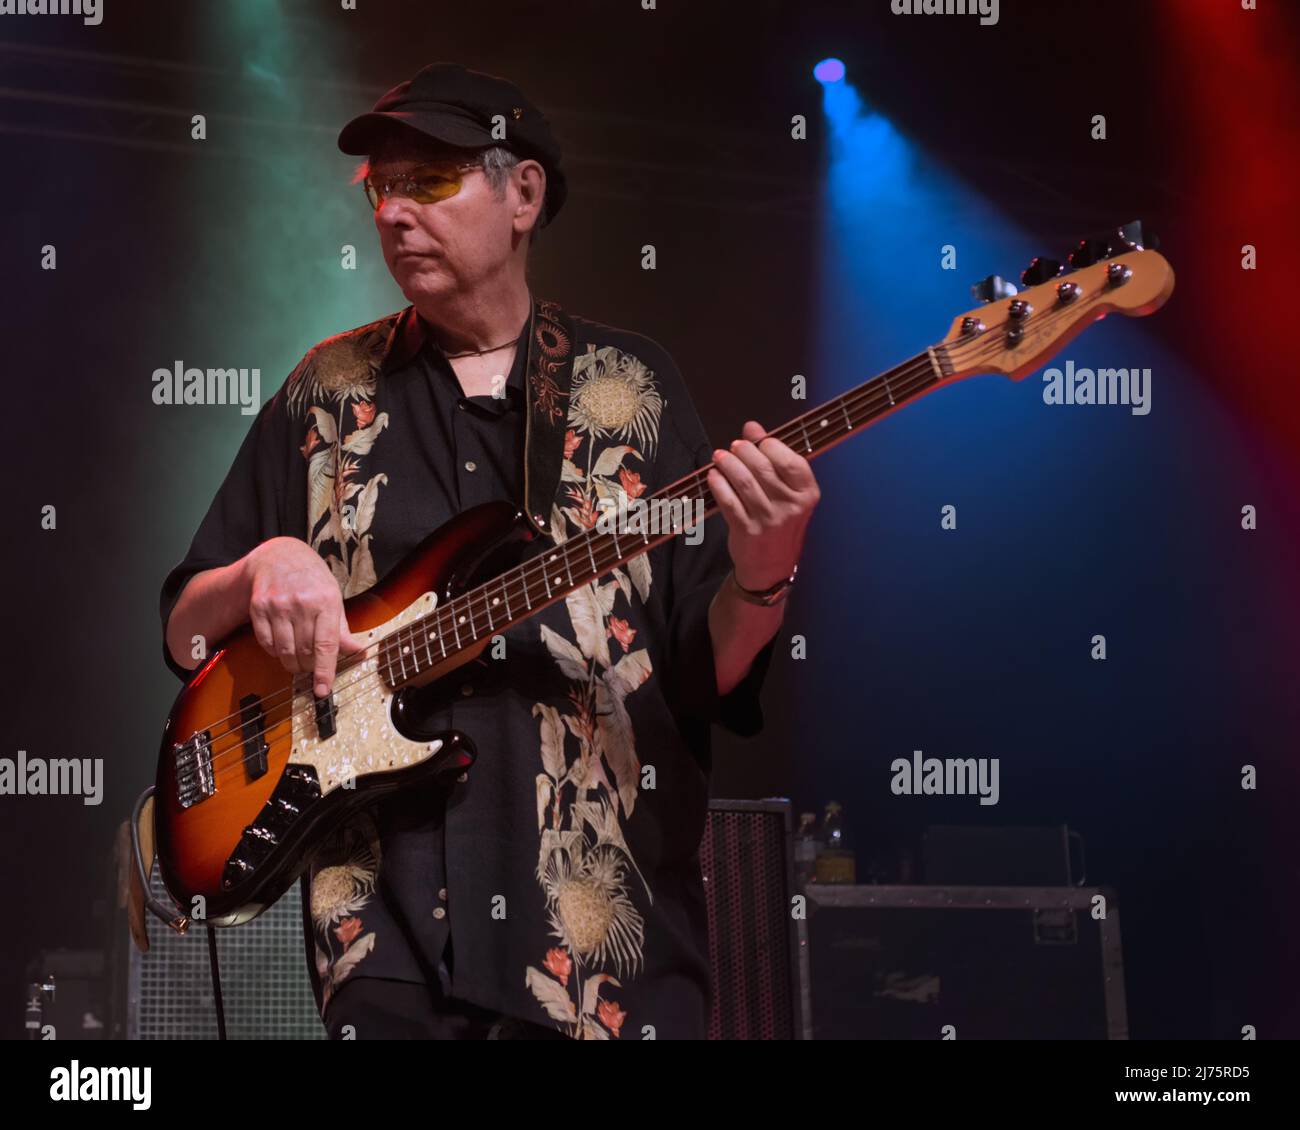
194,777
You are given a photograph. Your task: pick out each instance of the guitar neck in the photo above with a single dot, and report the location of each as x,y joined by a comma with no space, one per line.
519,593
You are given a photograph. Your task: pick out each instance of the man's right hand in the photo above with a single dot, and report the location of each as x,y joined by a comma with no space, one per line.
296,610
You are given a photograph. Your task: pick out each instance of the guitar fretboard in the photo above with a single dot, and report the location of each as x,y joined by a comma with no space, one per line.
519,593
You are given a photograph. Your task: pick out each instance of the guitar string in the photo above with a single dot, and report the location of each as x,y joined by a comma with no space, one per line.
908,382
374,650
358,687
607,562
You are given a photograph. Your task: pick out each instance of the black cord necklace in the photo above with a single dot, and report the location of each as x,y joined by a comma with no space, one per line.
481,352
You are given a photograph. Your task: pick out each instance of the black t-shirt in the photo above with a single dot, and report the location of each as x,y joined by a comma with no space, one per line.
560,877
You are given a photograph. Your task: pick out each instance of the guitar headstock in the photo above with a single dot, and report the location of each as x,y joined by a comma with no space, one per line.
1016,333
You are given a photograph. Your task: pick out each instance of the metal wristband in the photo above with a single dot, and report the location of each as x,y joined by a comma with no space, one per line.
764,597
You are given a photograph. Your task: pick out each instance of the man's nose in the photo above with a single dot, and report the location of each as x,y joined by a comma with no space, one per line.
394,212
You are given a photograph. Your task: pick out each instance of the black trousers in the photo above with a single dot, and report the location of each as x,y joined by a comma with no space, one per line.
374,1008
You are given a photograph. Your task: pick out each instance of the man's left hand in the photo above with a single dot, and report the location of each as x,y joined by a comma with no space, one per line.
766,493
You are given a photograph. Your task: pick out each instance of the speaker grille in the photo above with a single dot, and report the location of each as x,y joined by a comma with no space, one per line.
264,980
752,938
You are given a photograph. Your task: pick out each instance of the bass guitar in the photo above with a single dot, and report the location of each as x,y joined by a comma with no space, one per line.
254,770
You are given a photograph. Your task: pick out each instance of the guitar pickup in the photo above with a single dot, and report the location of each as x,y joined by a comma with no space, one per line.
325,716
254,732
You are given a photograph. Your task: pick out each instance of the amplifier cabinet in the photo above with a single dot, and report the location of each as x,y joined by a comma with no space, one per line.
264,980
757,944
970,963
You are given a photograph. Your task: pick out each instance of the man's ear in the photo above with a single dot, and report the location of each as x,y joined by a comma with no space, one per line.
530,184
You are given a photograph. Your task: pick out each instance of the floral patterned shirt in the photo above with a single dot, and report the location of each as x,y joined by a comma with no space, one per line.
559,880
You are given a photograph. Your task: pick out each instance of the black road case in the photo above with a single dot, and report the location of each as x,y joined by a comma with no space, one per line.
968,963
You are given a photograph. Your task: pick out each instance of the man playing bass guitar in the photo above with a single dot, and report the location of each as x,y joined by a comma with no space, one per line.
554,890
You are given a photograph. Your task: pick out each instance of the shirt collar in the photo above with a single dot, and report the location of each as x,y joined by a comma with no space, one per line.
404,340
410,335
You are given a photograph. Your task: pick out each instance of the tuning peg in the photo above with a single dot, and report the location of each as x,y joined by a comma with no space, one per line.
1135,237
1041,270
1088,252
993,288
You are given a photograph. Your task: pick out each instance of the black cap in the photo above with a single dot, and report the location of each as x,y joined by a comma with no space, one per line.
457,106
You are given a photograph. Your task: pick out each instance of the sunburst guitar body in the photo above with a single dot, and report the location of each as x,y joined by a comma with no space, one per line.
254,770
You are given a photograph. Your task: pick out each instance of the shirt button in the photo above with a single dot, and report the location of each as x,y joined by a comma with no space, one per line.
439,913
461,405
442,893
470,465
462,778
467,690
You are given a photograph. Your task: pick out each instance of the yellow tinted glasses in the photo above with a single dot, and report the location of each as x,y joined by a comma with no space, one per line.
424,184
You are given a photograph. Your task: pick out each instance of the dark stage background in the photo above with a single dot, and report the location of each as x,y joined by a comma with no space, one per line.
676,124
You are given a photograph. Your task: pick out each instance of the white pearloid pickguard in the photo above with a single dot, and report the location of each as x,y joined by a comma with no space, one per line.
364,739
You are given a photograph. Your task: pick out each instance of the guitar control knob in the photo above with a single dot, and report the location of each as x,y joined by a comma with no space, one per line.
1117,274
972,326
1040,271
1019,310
1088,252
1068,292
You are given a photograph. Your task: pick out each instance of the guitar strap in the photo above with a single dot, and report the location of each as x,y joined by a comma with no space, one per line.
548,377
